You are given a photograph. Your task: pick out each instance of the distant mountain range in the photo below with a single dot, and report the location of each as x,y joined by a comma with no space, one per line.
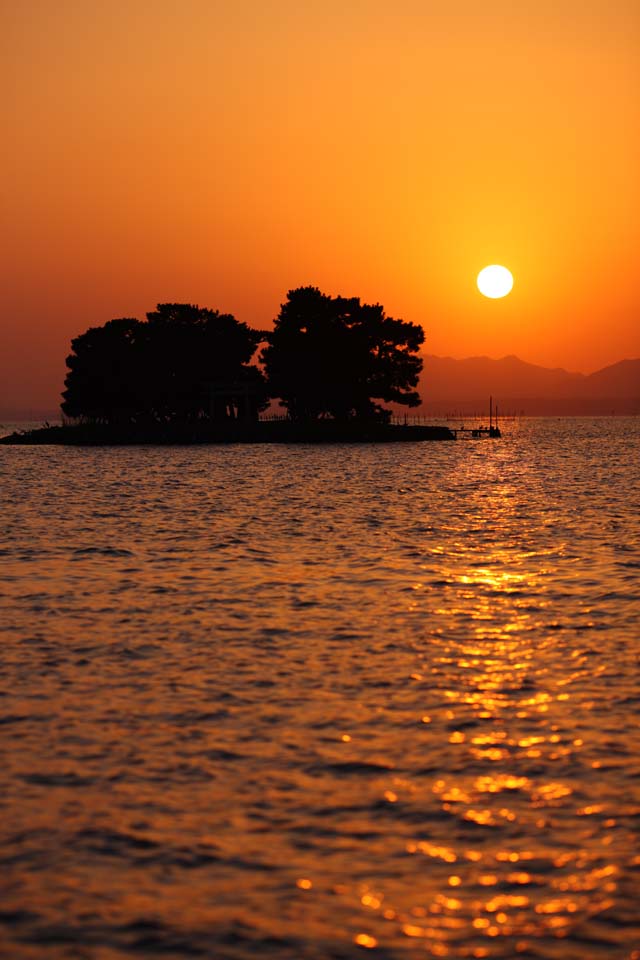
464,386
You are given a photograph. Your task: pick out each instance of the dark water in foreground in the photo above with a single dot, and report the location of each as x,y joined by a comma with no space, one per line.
314,702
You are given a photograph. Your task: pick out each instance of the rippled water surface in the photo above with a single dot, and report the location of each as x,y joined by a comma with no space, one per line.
319,702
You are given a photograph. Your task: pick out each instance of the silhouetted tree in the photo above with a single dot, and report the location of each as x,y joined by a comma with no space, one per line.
105,382
199,364
335,356
185,363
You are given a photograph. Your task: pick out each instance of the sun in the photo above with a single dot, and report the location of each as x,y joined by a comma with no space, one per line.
495,281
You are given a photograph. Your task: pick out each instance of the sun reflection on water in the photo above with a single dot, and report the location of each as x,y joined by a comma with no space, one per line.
501,704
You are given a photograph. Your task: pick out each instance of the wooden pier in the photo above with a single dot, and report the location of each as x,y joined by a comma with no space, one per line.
481,432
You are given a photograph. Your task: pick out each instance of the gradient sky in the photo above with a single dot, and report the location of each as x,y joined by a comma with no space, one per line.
222,152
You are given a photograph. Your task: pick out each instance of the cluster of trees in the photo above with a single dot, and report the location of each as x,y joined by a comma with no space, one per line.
325,357
170,368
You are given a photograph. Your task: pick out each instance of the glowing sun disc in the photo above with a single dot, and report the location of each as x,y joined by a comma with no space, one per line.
495,281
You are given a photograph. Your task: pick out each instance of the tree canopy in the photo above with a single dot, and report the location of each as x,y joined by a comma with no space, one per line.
326,357
184,363
334,356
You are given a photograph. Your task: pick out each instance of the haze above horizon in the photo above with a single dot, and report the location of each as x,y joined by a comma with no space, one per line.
222,154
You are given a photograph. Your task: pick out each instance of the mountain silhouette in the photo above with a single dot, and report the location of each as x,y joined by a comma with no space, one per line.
619,380
448,385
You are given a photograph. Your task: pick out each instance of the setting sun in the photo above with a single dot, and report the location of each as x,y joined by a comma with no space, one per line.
495,281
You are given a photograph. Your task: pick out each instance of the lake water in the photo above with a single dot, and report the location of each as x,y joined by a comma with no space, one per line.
318,702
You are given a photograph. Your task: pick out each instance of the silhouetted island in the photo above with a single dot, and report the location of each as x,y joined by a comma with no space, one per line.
185,376
264,431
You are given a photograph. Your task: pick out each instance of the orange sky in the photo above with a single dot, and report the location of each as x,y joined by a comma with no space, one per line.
223,151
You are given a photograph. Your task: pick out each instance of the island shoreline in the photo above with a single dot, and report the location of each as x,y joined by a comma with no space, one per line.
279,431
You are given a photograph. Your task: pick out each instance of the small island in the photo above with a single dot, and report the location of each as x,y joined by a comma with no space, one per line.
185,375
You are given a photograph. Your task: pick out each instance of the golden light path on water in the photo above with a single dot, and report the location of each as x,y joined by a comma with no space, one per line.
525,888
317,702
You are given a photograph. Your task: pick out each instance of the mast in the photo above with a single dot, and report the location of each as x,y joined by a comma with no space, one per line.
490,412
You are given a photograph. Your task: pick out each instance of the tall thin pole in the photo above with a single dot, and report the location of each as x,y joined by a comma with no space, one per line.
490,412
